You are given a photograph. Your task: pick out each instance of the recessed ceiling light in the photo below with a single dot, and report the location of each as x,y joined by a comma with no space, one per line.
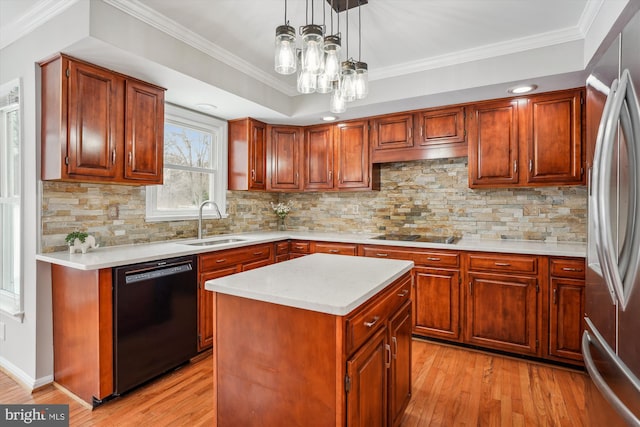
329,118
207,107
522,89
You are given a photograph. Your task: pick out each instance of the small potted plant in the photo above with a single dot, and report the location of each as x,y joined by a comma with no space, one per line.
80,240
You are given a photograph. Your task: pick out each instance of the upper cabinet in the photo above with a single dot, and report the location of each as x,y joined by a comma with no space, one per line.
351,156
318,158
285,156
530,141
247,155
425,134
100,126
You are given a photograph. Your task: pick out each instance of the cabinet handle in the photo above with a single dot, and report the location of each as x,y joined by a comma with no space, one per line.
130,157
555,295
330,175
470,287
530,165
404,293
113,156
515,166
253,175
387,347
502,264
257,253
571,269
333,251
218,261
431,258
382,254
395,347
409,133
373,322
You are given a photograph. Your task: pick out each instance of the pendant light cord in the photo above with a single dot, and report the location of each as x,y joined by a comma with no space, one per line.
359,31
285,13
347,12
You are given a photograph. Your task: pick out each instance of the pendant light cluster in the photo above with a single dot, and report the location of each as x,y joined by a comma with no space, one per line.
318,63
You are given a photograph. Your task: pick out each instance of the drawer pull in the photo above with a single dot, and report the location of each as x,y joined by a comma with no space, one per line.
382,254
395,347
431,258
334,251
257,253
571,269
387,347
218,261
404,293
502,264
555,296
373,322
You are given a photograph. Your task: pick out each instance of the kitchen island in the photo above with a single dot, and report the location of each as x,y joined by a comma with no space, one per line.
315,341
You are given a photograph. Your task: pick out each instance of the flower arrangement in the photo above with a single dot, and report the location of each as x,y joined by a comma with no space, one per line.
282,209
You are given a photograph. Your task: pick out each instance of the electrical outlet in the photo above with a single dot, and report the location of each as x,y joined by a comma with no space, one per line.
2,331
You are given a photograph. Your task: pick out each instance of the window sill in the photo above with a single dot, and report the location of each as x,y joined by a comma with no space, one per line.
10,311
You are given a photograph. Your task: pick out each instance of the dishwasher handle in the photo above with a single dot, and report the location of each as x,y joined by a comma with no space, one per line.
134,276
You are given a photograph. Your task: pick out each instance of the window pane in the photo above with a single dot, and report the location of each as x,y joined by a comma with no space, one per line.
187,189
9,267
13,154
186,146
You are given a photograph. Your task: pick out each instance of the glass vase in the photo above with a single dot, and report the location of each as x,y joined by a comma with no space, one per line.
282,226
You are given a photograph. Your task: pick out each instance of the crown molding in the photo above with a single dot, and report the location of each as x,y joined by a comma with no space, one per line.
177,31
589,14
40,13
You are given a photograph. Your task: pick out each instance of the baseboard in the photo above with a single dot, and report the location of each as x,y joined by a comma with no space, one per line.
21,377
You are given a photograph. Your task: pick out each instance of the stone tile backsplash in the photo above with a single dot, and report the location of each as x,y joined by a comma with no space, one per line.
421,197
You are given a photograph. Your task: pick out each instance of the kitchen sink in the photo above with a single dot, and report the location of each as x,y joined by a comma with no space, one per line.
216,242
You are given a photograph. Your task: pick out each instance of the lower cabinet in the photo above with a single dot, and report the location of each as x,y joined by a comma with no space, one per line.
437,303
378,367
218,264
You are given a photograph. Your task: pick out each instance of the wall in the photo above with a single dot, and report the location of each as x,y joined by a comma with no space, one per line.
424,197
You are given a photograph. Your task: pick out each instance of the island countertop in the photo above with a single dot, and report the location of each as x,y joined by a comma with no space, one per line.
332,284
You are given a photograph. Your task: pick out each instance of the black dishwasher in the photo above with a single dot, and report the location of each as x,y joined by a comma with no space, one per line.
154,319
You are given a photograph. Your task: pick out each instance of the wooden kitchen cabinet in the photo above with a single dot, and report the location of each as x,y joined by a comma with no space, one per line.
391,133
400,366
99,125
216,264
298,248
318,158
351,157
566,308
282,251
436,288
503,302
527,141
247,155
334,248
285,151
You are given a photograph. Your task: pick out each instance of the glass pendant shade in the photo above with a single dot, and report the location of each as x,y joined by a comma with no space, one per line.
285,50
362,80
306,82
324,83
337,104
347,81
312,49
332,48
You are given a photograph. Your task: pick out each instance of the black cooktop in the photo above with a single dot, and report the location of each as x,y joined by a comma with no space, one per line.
417,238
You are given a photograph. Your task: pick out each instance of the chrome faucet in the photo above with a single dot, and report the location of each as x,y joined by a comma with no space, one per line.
202,205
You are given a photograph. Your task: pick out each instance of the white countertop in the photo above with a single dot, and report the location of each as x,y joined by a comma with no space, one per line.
332,284
106,257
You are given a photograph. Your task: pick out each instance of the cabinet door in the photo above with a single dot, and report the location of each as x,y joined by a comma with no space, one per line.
436,300
285,150
95,114
352,155
565,320
493,144
257,155
335,248
367,383
555,152
144,133
318,158
441,126
392,132
400,370
502,312
205,306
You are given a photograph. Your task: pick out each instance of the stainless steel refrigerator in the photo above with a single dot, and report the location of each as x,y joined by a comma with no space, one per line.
611,341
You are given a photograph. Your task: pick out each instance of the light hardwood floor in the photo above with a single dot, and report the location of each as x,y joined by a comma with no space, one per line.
451,387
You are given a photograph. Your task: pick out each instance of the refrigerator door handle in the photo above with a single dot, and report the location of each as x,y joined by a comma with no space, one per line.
621,275
604,137
598,379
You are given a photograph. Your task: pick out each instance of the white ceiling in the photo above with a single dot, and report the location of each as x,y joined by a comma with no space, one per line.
421,53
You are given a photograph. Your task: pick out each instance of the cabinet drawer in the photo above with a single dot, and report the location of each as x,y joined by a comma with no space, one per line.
511,263
335,248
563,267
365,322
282,248
427,258
300,247
216,260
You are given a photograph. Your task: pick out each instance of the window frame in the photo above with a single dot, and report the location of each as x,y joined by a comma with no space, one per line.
12,301
177,115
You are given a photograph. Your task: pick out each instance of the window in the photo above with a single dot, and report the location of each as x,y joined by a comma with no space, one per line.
10,189
195,167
